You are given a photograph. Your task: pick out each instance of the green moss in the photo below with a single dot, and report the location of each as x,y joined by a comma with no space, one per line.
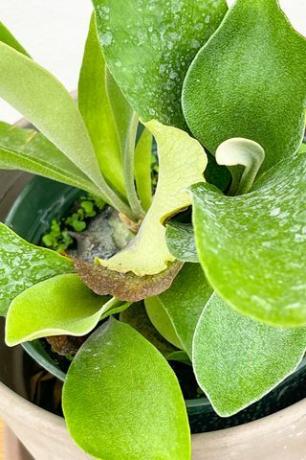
59,237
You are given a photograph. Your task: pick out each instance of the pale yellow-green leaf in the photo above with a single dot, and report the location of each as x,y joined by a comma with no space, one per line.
161,320
182,162
60,305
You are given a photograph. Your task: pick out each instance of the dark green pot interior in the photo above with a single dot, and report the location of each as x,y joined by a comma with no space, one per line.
40,202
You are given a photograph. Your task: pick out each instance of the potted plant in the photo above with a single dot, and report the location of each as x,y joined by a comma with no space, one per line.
206,263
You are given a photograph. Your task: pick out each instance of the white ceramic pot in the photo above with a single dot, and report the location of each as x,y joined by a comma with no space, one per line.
281,436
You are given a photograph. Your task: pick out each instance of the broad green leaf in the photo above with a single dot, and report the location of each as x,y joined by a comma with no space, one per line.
61,305
7,37
149,47
238,360
148,254
249,81
181,243
143,160
136,316
97,112
134,405
45,102
27,150
184,302
161,321
252,247
22,265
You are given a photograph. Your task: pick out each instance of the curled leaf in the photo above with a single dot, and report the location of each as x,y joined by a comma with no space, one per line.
125,286
148,253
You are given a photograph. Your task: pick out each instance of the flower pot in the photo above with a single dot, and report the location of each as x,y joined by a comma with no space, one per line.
44,434
279,436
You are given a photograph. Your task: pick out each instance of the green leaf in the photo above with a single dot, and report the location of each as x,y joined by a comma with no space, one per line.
39,352
148,254
27,150
62,305
7,37
122,111
129,169
238,360
161,320
22,265
96,109
122,380
181,243
136,316
252,247
45,102
184,302
143,160
249,81
149,48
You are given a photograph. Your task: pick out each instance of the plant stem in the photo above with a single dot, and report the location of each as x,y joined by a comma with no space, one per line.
128,163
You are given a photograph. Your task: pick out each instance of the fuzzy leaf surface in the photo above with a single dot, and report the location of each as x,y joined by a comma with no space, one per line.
252,247
249,81
121,379
185,301
181,243
45,102
97,111
23,264
136,316
62,305
149,47
28,150
161,321
238,360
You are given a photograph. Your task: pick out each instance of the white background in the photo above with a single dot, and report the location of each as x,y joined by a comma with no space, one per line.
54,34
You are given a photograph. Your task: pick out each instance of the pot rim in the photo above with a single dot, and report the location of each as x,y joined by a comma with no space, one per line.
27,410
